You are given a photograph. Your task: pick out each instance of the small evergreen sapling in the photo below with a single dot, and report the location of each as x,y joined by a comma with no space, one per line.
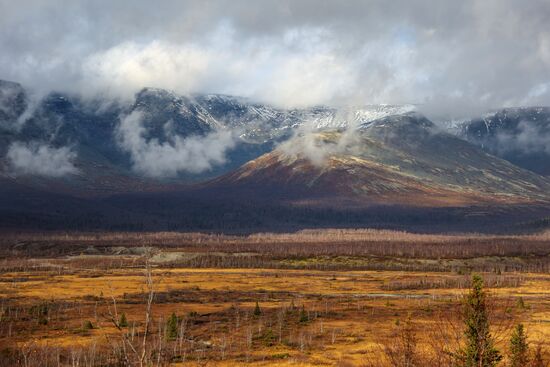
303,315
172,327
519,349
123,322
479,349
257,310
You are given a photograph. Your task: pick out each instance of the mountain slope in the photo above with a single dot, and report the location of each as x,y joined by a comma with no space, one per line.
90,130
400,160
357,166
519,135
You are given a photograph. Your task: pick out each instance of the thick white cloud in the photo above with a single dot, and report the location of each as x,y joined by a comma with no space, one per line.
273,72
451,57
152,158
41,159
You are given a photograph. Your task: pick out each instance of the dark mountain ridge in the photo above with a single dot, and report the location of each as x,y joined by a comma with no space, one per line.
519,135
377,166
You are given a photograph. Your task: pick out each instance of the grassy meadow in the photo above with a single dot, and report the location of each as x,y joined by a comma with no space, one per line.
334,298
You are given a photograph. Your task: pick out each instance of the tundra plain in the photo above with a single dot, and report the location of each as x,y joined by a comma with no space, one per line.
323,297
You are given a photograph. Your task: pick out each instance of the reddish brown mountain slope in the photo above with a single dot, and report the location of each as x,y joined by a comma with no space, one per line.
400,160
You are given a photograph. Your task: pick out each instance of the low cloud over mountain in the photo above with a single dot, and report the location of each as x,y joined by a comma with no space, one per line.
40,159
194,154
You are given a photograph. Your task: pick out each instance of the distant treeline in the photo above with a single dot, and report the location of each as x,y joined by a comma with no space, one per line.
327,249
186,212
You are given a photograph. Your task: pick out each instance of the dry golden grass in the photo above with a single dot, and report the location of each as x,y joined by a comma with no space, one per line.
354,311
52,284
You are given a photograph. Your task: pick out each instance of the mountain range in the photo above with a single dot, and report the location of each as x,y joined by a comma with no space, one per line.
214,162
395,160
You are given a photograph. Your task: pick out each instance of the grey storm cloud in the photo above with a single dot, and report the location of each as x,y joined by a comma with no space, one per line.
450,57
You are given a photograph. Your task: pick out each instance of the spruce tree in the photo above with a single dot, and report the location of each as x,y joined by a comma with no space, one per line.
479,350
123,322
257,310
303,315
519,349
521,303
172,327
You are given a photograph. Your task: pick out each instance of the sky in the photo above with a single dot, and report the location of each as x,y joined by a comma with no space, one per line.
452,58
